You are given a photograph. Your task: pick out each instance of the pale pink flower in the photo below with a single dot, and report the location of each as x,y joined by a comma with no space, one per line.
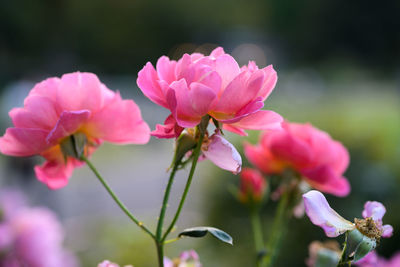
321,214
374,260
197,85
33,237
60,107
252,186
107,263
187,259
320,160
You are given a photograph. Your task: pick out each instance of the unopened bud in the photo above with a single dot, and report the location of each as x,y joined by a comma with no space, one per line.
252,186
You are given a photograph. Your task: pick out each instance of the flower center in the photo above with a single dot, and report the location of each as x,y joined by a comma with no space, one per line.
368,228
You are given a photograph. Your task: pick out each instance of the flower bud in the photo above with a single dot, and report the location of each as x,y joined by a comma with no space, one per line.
252,186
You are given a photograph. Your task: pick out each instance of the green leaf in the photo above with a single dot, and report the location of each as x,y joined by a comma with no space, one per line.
203,230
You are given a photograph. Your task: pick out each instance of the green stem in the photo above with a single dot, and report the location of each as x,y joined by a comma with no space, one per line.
258,234
196,154
342,261
279,227
116,199
159,242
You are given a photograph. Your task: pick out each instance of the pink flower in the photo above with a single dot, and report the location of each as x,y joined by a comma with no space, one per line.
107,263
33,237
373,260
186,259
252,186
320,160
322,215
58,108
197,85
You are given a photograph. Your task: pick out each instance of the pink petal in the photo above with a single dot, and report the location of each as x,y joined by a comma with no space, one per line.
223,154
47,88
147,82
387,230
201,98
23,142
107,264
69,123
322,215
184,113
39,112
119,122
260,158
227,68
261,120
270,79
240,91
234,129
55,174
79,91
325,179
250,108
219,51
170,129
374,209
166,69
289,148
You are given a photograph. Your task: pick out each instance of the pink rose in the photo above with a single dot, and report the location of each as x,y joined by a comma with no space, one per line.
60,107
252,186
197,85
320,160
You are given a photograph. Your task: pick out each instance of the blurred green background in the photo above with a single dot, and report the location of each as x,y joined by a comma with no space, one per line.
338,64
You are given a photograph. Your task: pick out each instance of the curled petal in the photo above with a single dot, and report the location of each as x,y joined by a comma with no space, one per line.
322,215
147,82
223,154
69,122
374,209
170,129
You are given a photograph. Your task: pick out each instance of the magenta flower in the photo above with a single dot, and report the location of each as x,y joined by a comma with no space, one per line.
309,151
197,85
252,186
321,214
55,109
374,260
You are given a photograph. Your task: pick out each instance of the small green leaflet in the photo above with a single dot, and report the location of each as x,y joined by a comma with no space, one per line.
203,230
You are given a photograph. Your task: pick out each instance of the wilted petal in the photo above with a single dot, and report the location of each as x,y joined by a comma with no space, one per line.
322,215
374,209
223,154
